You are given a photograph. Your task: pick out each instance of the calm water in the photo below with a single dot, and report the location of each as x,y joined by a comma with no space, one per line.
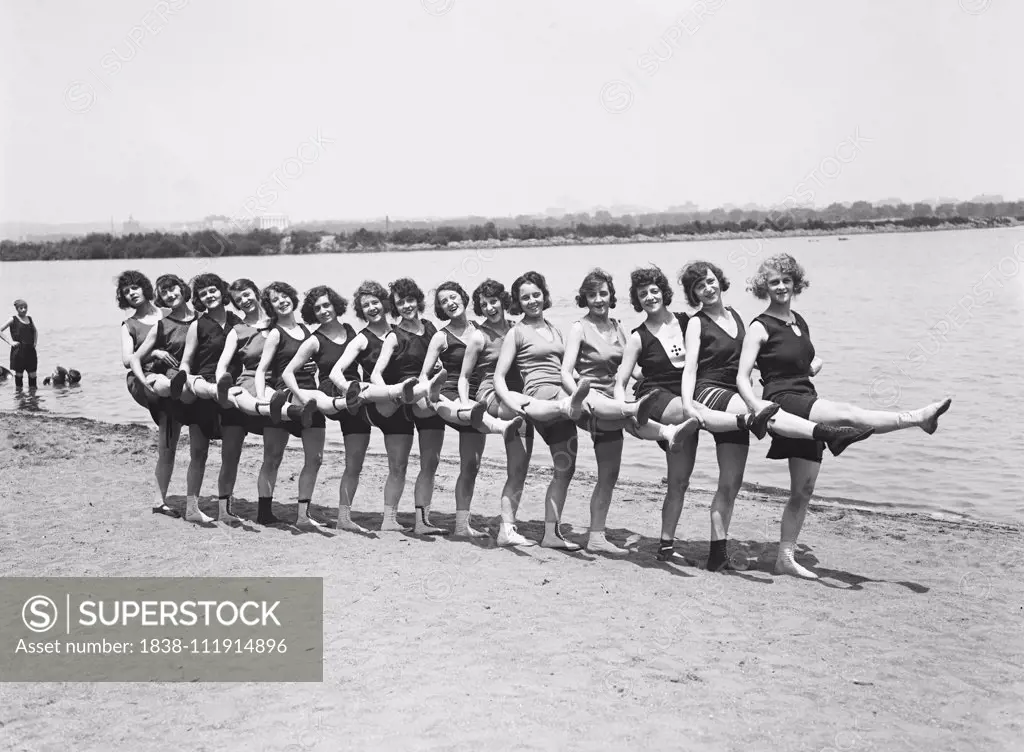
900,320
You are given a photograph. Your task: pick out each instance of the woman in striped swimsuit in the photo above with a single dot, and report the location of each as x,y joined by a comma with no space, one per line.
470,419
323,306
135,291
594,351
483,348
779,342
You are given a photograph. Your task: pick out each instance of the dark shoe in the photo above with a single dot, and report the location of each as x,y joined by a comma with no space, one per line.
757,423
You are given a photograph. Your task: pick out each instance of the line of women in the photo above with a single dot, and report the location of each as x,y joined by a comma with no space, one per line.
263,371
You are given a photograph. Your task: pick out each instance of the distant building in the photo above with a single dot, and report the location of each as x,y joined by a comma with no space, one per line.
272,222
131,226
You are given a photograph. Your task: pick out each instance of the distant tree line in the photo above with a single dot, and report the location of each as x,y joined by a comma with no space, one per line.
575,227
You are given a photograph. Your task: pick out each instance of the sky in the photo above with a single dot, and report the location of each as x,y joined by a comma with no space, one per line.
178,109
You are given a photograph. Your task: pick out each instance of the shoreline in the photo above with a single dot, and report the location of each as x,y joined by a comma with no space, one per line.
559,241
750,492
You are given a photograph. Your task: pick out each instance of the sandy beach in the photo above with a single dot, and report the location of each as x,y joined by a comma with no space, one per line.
911,640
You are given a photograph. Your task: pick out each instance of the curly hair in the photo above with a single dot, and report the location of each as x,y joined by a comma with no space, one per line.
592,283
697,271
403,288
645,277
370,289
281,288
132,278
201,282
490,288
782,264
532,278
165,282
242,283
439,312
339,303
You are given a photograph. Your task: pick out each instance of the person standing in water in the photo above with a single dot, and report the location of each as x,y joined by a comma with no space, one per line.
23,342
778,342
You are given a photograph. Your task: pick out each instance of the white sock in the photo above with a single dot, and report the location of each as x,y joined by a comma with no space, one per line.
596,535
461,519
344,513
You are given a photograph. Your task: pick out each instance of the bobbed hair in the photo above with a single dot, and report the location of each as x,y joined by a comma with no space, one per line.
780,263
243,283
202,281
339,303
697,271
591,283
645,277
132,278
403,288
281,288
166,282
370,289
439,312
532,278
490,288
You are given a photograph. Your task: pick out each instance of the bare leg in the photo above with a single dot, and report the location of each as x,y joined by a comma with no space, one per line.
563,459
199,447
802,476
430,442
160,384
518,450
398,447
732,460
609,460
232,438
680,467
166,448
313,458
356,445
883,421
471,450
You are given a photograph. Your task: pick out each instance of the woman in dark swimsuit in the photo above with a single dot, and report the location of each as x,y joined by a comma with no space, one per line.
779,342
240,413
401,357
483,348
162,351
279,301
135,291
323,306
204,343
373,305
469,419
714,340
24,340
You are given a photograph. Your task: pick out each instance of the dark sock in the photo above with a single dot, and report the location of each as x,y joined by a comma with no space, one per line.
719,555
741,422
19,382
32,382
227,500
265,513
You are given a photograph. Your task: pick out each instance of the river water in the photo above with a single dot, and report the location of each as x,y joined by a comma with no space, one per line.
900,320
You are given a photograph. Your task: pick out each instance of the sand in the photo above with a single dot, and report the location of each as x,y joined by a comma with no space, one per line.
911,640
